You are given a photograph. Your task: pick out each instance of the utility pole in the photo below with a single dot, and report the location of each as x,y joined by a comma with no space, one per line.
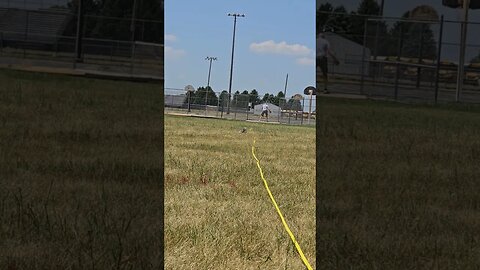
285,91
209,58
235,15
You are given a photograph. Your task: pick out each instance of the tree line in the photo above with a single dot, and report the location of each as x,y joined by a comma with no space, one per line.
111,19
352,26
242,100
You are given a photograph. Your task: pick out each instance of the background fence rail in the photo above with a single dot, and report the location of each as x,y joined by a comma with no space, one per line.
43,33
402,59
293,111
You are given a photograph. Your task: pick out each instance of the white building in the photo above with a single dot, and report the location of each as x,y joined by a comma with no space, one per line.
257,109
349,53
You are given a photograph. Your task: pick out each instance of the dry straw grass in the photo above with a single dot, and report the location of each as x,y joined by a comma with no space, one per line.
398,186
80,173
217,212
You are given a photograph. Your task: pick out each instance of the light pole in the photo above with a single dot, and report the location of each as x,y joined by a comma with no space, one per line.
209,58
235,15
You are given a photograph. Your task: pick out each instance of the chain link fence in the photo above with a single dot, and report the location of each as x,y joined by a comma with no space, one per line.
34,4
44,34
405,59
297,110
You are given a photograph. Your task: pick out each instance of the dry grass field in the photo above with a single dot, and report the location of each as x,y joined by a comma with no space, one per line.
81,163
217,212
398,185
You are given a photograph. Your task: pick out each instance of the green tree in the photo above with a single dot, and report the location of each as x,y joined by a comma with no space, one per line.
412,35
351,26
294,105
368,9
241,99
223,99
280,99
342,21
235,99
271,99
114,21
267,98
339,21
323,16
254,99
199,96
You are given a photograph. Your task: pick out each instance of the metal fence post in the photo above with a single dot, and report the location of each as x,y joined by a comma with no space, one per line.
439,56
363,57
78,40
189,101
461,60
399,53
236,102
303,108
279,109
1,42
132,63
420,55
218,105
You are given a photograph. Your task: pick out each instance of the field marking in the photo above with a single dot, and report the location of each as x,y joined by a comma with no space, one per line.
302,256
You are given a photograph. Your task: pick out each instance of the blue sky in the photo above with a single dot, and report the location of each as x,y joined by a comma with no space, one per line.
274,38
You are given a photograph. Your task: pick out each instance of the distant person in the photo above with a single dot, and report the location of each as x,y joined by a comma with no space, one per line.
323,50
265,111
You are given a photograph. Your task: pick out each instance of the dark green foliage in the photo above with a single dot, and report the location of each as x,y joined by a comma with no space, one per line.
111,19
223,99
322,17
240,100
294,105
254,99
198,97
368,9
380,40
413,34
